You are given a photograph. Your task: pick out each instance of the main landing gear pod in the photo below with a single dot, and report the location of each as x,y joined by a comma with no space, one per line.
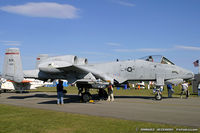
86,97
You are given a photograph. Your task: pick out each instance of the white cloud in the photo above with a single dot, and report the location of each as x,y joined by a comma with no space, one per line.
11,43
95,53
151,50
157,50
125,3
140,50
113,44
124,50
43,9
187,48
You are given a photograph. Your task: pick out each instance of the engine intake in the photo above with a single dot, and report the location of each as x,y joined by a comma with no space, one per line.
82,61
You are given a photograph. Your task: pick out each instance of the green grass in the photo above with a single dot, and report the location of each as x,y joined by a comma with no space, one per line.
121,92
146,92
15,119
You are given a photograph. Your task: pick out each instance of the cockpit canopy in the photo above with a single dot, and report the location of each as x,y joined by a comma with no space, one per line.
158,59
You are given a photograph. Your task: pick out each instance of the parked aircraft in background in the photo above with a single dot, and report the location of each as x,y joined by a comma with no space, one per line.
30,84
77,71
7,85
140,85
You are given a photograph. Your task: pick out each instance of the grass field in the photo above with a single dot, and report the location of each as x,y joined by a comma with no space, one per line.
15,119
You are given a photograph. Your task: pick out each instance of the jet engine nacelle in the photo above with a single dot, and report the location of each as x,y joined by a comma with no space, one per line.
40,58
66,58
82,61
52,66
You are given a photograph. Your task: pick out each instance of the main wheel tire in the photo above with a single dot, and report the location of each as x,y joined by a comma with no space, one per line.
86,97
158,96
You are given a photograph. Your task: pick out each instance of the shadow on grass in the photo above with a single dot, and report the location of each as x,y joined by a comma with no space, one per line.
134,97
67,98
73,99
33,96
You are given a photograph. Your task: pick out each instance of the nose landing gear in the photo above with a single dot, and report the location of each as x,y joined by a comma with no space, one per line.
158,93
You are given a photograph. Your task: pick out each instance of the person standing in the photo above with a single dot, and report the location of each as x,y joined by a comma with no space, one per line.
60,92
185,89
170,90
80,90
199,89
110,93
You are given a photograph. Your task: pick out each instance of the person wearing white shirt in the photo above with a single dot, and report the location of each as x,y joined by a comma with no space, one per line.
185,89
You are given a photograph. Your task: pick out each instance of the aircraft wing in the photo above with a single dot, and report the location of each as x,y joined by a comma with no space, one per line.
89,72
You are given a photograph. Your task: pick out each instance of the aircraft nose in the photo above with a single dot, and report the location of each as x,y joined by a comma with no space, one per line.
186,74
189,75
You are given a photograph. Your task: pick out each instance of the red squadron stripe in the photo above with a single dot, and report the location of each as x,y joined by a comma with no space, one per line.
11,53
24,81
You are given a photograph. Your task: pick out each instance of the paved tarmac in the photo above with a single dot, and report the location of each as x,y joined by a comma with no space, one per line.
174,111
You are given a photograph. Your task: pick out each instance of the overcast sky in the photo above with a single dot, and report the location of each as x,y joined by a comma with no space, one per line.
102,30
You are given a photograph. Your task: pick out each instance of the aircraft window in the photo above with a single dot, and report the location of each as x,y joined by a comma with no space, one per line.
152,58
166,61
157,59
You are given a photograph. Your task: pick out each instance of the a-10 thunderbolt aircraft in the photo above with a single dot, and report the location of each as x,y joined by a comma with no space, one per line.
78,71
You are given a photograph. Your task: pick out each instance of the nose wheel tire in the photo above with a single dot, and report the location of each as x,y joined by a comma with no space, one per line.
158,96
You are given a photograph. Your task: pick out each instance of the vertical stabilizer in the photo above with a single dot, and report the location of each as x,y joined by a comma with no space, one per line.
40,58
12,68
